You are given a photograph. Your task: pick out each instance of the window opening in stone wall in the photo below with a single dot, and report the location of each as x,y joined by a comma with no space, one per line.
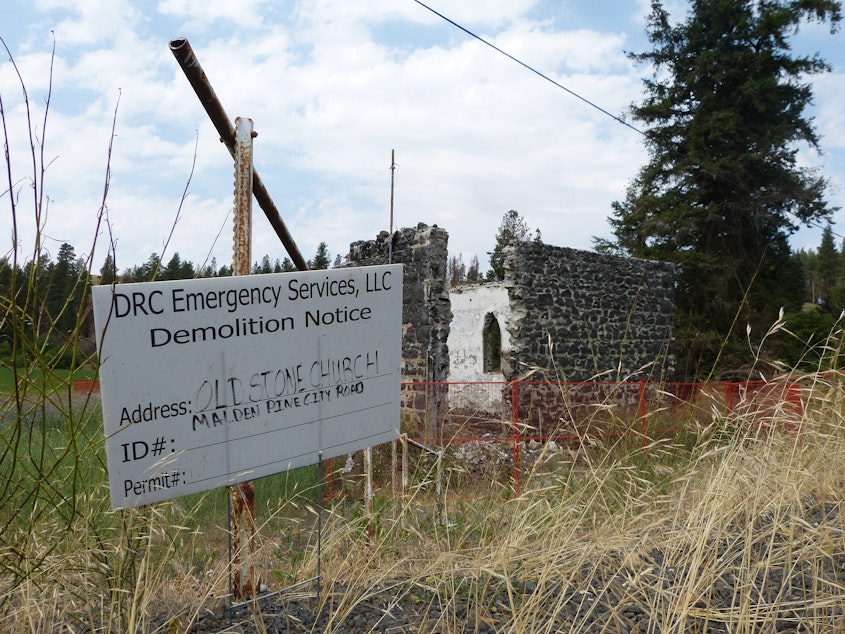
492,343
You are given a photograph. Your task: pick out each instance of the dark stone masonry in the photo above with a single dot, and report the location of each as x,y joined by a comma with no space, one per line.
579,315
575,315
426,312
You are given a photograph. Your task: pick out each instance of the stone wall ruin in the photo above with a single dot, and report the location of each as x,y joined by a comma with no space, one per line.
581,316
426,316
560,315
426,312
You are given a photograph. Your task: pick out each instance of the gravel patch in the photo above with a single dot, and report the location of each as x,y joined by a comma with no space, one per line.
784,581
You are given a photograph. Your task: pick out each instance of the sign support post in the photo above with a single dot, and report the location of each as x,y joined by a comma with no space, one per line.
244,580
214,382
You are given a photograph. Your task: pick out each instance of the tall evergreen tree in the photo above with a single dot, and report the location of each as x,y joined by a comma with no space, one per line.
108,273
209,270
177,269
146,272
827,266
512,228
474,272
722,191
265,267
322,259
65,289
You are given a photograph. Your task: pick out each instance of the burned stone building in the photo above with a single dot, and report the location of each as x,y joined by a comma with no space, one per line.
560,313
425,308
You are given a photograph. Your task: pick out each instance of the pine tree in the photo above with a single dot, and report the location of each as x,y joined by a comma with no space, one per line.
146,272
321,257
722,190
513,228
209,270
827,266
65,289
265,267
474,272
108,272
177,269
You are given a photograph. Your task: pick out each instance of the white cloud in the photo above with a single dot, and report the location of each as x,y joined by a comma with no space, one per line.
93,21
332,87
199,14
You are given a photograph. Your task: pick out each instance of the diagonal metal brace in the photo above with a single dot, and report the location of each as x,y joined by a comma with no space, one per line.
184,54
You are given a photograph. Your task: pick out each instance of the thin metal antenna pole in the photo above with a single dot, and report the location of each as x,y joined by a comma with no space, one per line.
392,185
392,181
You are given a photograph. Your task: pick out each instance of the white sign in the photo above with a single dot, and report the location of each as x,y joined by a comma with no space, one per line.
206,383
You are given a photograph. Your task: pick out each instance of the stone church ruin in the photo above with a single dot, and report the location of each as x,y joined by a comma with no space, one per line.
561,314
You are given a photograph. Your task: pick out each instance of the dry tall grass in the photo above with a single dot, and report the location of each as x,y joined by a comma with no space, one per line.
738,530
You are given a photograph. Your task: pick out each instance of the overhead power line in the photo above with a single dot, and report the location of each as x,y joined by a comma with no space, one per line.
809,223
531,68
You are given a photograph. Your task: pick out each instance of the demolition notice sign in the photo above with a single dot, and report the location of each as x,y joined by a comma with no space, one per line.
210,382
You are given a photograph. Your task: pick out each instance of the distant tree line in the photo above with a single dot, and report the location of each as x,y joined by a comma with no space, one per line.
824,270
49,301
55,293
43,303
178,269
54,296
813,336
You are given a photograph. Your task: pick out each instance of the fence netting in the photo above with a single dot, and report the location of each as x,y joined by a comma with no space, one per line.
495,430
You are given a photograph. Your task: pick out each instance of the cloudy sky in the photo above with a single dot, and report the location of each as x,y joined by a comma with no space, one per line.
333,87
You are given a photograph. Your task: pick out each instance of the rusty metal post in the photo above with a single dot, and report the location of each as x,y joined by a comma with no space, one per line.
190,65
247,183
405,479
394,474
242,253
368,496
643,413
245,581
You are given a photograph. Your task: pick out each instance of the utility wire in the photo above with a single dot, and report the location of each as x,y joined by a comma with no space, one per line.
809,223
532,69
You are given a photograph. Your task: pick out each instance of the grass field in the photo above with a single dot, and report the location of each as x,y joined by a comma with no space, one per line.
738,528
54,379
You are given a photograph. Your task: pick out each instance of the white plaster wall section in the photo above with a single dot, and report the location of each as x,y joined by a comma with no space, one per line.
471,303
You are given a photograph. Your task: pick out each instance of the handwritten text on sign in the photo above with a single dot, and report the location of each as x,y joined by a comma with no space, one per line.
210,382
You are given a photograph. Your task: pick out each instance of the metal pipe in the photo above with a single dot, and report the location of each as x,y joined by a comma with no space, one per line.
184,54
